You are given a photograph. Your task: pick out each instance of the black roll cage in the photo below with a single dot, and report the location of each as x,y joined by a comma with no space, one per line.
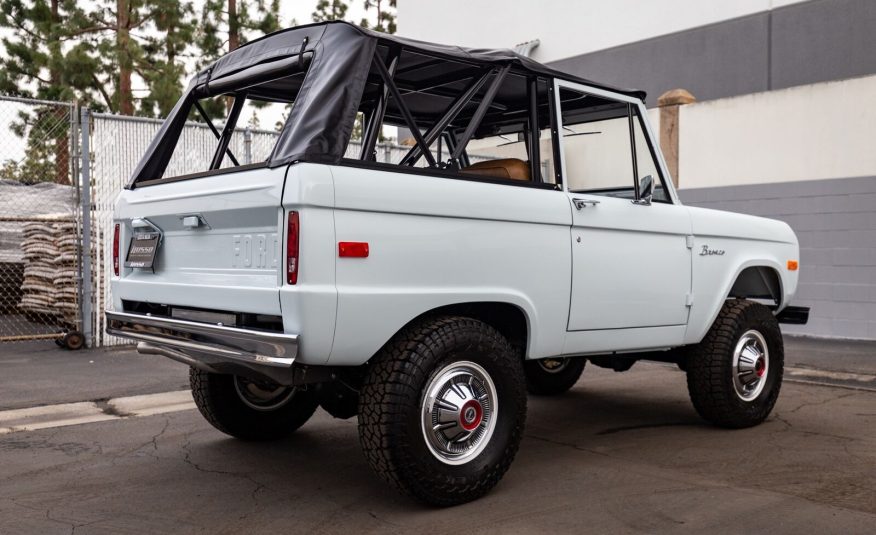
337,63
455,142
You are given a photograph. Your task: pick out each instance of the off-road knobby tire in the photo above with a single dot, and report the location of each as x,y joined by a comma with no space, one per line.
709,366
218,400
390,403
540,382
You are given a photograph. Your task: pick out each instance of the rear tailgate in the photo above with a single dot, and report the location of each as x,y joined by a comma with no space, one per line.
221,242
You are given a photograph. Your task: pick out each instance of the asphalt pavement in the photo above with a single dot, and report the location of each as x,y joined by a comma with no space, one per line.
40,373
621,452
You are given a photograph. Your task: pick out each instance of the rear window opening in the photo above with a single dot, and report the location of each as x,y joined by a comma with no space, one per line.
233,123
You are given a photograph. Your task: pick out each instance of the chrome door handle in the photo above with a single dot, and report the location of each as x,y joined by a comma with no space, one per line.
581,203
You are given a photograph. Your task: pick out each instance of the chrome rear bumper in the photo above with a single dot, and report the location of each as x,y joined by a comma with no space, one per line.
213,348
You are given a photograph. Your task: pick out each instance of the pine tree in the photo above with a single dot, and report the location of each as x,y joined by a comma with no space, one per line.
61,50
44,56
175,25
40,62
227,24
329,10
385,15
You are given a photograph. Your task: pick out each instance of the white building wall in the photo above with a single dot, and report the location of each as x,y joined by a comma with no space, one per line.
564,27
811,132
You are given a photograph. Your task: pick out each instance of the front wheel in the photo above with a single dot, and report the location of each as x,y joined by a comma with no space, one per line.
553,376
734,375
251,410
442,410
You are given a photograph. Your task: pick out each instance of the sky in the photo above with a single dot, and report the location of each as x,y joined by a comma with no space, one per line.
300,10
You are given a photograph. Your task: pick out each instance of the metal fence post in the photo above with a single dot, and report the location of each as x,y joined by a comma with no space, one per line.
247,145
86,287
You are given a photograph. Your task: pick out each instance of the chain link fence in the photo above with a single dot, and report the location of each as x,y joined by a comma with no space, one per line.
39,220
116,145
44,255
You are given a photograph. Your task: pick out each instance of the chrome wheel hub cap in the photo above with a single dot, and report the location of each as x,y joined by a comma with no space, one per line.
459,412
260,396
751,364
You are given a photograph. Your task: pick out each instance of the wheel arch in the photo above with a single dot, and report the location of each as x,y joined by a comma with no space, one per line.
509,319
757,278
757,282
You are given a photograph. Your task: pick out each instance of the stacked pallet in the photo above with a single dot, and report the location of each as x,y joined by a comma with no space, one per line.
49,288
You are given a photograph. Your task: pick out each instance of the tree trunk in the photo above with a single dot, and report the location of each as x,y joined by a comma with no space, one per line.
123,39
62,140
233,39
233,26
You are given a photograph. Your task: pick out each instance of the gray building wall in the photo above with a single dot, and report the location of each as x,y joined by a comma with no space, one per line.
804,43
835,222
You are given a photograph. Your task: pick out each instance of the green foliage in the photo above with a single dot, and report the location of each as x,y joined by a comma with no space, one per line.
227,24
46,155
176,24
67,50
100,52
44,54
384,15
224,26
329,10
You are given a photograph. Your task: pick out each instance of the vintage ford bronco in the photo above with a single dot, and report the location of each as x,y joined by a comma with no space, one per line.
531,226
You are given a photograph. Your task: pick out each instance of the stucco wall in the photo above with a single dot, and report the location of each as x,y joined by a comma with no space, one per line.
809,132
565,27
835,221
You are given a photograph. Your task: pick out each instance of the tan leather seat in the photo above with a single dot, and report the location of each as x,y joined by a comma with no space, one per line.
511,168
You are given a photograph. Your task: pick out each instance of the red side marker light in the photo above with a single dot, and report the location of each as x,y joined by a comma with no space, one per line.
353,249
116,250
292,249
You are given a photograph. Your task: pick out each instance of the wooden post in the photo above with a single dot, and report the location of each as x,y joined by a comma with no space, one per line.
668,104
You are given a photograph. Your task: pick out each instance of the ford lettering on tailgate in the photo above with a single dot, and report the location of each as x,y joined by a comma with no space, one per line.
255,251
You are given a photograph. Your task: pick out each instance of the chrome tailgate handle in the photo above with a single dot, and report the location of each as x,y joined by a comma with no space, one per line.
141,223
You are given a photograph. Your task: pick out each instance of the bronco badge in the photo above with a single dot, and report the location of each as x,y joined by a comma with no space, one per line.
711,252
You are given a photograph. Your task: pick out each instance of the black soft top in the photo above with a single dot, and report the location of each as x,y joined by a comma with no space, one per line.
333,60
282,41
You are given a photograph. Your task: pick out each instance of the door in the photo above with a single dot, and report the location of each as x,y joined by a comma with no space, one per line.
631,265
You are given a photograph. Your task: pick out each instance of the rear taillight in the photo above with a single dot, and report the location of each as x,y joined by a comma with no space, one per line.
116,250
292,249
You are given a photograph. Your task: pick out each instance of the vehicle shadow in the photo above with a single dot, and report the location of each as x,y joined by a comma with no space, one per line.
322,461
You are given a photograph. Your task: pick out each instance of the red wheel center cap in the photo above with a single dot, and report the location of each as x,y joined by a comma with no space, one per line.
760,367
471,415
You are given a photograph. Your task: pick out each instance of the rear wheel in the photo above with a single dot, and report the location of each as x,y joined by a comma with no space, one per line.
251,410
552,376
442,410
734,375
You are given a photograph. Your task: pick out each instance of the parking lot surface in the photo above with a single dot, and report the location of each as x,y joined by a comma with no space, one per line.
621,453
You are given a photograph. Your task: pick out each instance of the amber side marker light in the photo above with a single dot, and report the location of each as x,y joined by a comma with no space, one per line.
793,265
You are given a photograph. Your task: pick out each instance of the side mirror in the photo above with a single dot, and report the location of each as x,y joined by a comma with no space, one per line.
646,191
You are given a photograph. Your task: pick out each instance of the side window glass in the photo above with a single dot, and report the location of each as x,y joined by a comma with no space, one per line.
647,165
595,133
